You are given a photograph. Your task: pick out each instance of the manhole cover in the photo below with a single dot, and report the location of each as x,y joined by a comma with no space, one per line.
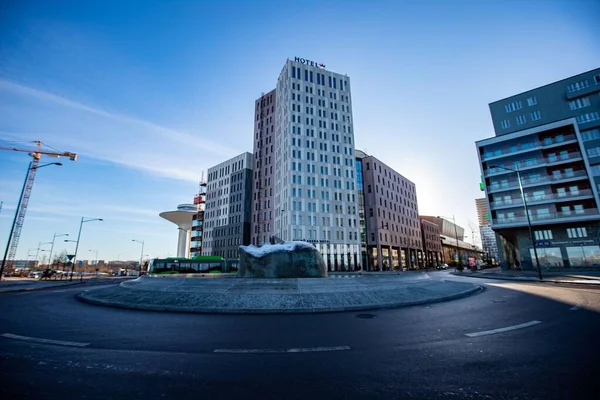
366,316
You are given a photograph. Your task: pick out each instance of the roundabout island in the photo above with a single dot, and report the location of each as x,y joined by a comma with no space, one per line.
287,277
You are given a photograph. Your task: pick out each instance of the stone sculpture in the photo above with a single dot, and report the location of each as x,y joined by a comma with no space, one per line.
283,260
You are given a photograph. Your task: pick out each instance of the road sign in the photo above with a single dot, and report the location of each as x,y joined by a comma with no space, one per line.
80,263
70,256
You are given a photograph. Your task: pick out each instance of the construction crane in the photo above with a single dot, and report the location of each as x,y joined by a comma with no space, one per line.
15,232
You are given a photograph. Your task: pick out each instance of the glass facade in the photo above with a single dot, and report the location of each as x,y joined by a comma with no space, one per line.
548,256
583,256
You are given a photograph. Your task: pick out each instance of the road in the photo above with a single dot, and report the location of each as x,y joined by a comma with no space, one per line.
512,341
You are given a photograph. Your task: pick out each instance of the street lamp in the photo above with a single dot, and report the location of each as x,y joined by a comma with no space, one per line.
96,261
52,248
537,261
37,253
141,255
455,235
14,224
83,220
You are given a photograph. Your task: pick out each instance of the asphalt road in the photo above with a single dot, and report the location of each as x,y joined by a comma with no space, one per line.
422,352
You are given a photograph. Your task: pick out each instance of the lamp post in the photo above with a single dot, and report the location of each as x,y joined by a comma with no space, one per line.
37,253
52,247
83,220
96,259
455,235
537,260
14,224
141,255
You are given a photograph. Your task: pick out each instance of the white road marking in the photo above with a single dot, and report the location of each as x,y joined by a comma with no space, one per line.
45,341
293,350
505,329
574,308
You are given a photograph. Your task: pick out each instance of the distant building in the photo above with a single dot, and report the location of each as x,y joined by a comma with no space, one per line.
228,207
453,245
552,136
432,243
198,221
488,236
389,216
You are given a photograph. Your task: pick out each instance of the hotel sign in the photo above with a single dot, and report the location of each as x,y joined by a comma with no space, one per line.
308,62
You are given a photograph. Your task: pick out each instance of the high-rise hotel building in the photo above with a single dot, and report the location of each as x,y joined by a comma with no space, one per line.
304,185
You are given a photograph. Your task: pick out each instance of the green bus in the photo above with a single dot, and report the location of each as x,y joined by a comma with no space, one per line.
194,265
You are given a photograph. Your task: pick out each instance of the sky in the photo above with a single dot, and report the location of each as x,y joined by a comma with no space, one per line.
152,93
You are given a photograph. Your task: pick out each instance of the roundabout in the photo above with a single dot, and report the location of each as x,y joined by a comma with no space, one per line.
269,296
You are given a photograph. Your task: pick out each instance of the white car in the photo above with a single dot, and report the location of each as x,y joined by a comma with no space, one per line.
443,266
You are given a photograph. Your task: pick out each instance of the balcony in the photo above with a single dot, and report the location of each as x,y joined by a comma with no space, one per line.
546,198
537,181
538,162
583,91
526,147
548,218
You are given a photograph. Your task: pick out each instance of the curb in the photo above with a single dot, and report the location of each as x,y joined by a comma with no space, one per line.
81,297
29,289
532,279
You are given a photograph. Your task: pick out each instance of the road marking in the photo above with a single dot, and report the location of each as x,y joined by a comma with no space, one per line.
505,329
46,341
293,350
574,308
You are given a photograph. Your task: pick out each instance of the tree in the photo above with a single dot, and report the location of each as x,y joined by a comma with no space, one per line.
60,258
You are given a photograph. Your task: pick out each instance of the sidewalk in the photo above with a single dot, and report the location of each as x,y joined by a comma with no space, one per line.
590,277
21,285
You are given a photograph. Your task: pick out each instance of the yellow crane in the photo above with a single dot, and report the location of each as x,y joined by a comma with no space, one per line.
15,231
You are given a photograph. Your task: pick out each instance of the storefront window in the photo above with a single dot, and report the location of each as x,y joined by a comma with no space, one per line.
548,256
582,256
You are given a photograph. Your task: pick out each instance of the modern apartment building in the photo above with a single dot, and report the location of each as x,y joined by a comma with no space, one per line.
432,244
263,204
551,136
488,236
198,221
389,216
228,207
309,191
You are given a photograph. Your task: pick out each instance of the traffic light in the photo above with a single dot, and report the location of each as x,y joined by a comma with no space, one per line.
481,184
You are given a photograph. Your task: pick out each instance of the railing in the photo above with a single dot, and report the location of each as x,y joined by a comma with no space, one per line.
541,179
546,216
534,162
528,146
537,198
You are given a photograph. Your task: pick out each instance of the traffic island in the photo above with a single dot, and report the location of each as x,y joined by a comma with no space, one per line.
268,296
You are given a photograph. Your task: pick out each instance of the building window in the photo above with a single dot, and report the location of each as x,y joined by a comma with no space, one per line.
593,152
596,79
531,101
573,233
543,235
514,106
579,103
505,124
536,115
588,117
590,135
574,87
521,119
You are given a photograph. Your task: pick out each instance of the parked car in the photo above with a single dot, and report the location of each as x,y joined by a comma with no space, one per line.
443,266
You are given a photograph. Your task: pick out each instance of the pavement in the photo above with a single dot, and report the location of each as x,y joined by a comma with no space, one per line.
514,340
20,285
302,295
570,276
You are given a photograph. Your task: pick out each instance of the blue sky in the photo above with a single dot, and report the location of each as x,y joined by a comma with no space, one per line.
150,93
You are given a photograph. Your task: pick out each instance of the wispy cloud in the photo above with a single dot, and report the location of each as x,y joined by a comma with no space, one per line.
110,136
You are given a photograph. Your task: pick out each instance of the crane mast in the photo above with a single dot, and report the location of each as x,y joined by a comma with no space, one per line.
17,226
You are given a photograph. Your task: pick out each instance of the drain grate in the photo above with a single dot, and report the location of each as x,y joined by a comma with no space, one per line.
366,316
